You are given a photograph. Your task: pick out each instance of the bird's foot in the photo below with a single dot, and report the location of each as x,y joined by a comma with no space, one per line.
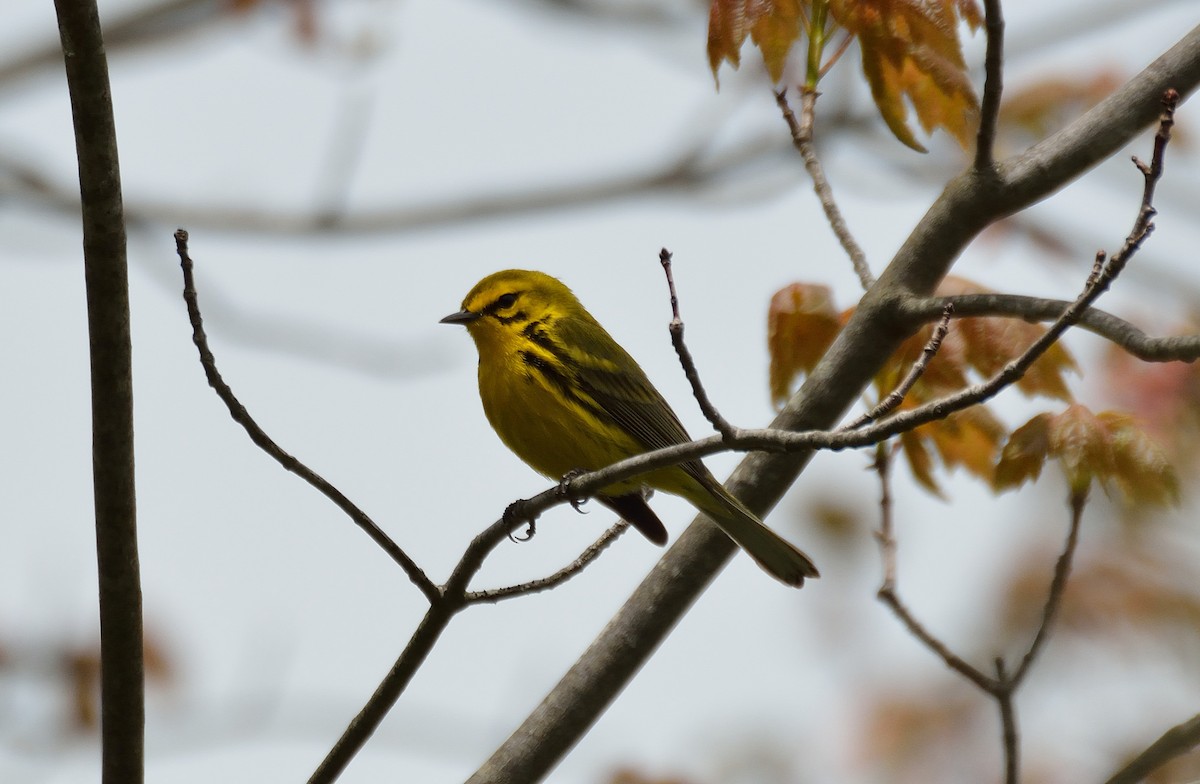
564,489
514,515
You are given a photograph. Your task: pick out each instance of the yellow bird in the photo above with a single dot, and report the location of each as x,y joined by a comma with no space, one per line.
564,396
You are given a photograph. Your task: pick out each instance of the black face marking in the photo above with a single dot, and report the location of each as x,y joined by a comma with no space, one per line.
535,332
515,318
505,302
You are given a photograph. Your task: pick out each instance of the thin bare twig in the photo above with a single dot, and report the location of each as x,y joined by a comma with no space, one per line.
367,720
885,535
993,87
943,652
710,411
268,445
1008,723
494,595
897,395
1058,586
1003,686
454,598
802,139
887,589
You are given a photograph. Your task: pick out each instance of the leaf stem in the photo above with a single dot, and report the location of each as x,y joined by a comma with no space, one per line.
816,43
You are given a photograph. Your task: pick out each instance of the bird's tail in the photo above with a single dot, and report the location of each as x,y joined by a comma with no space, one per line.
779,557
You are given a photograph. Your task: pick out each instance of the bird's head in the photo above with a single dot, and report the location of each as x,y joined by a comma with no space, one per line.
505,304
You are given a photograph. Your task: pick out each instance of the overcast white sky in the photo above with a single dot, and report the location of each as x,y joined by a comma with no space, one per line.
282,617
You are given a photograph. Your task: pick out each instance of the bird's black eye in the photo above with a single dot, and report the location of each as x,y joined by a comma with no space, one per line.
505,301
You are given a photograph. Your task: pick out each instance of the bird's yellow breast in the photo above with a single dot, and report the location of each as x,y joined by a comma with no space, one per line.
552,430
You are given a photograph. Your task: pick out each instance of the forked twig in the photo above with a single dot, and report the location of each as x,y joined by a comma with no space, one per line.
1003,686
887,589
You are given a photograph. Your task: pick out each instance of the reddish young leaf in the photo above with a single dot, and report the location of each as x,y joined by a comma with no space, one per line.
1024,454
991,343
920,462
973,347
911,55
801,323
1164,396
1141,470
1080,442
1106,447
968,438
773,25
775,32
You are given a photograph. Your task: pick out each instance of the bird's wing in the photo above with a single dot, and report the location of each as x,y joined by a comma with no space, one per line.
611,377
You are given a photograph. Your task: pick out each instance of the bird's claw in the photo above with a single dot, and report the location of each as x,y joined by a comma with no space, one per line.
564,489
530,530
512,516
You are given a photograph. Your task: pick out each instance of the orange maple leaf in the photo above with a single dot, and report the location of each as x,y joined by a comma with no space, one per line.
910,49
1107,447
773,25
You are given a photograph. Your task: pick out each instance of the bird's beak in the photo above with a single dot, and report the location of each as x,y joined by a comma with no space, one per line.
461,317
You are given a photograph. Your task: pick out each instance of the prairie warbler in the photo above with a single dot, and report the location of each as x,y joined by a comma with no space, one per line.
564,396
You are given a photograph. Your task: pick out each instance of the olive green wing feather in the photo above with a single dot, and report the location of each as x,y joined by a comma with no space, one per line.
614,380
